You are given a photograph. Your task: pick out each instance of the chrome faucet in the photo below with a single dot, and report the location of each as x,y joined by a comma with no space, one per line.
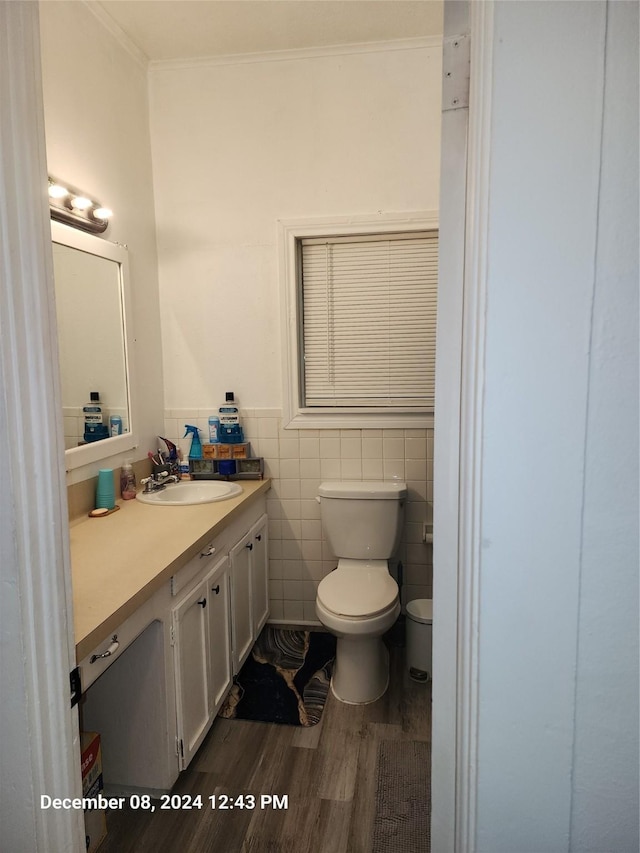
157,482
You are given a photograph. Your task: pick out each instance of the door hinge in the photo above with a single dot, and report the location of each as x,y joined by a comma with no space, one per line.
76,687
172,636
456,61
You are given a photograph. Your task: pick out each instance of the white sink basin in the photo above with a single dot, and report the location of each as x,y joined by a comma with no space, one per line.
183,494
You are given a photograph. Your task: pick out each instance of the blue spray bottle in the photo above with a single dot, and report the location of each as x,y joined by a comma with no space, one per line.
195,451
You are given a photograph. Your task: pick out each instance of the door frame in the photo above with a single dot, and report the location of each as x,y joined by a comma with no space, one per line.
36,522
41,741
458,438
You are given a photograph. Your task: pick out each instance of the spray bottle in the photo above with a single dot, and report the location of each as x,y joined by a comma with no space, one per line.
195,452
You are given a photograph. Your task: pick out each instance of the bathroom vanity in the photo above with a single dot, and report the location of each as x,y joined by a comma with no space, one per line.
168,602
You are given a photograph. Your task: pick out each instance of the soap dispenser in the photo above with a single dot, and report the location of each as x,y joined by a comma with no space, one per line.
195,451
127,480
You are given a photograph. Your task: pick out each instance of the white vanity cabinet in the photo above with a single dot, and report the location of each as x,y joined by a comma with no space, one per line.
259,575
223,605
242,618
219,616
154,680
202,657
249,590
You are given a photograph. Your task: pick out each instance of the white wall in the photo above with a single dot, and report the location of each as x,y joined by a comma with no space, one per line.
97,132
237,147
558,596
605,770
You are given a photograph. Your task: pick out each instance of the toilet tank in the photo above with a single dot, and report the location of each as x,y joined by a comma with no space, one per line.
363,520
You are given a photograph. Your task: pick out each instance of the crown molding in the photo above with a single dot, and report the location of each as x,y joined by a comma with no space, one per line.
294,54
125,42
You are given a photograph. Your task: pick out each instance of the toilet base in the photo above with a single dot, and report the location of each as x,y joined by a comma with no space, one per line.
361,670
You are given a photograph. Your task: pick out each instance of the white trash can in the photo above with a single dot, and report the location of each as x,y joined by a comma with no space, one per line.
419,638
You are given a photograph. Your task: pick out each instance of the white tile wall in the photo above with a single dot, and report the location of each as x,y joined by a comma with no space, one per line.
297,461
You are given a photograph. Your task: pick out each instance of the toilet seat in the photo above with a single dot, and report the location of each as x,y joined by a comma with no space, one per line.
358,589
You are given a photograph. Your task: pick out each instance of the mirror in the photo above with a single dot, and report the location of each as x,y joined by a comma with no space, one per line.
94,343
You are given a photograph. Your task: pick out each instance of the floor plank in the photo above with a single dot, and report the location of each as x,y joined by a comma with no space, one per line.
327,772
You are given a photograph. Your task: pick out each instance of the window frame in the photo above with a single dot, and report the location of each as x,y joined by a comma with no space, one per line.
296,416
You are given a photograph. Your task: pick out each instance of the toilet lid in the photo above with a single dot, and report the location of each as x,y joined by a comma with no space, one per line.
362,591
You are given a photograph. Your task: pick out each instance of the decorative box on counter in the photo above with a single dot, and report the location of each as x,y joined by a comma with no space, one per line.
251,468
226,451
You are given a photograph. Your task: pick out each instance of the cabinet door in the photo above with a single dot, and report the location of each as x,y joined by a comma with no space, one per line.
259,575
242,619
192,671
219,615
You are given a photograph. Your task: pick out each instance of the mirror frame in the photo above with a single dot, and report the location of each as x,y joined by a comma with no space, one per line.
84,242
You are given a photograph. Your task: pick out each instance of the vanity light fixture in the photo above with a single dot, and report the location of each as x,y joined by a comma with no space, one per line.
57,190
73,207
81,202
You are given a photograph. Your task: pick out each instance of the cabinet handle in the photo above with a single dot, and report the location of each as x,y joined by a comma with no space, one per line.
249,546
202,602
208,552
259,537
111,650
215,589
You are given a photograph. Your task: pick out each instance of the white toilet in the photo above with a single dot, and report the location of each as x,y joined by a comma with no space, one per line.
358,602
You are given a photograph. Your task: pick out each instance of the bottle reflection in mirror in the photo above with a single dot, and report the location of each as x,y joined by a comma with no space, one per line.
94,426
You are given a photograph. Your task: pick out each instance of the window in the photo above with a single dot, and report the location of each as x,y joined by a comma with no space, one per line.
361,315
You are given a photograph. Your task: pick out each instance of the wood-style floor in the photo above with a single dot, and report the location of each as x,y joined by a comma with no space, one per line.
328,772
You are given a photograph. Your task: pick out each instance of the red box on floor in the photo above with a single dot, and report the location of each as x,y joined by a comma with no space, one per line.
95,824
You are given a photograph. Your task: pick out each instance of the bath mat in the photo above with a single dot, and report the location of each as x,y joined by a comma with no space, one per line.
403,798
285,679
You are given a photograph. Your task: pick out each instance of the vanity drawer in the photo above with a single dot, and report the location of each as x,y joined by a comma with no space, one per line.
109,650
213,550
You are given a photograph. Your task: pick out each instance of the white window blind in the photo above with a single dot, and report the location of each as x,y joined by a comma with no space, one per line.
369,320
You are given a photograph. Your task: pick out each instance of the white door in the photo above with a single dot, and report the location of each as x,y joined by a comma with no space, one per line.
259,574
194,712
242,621
219,617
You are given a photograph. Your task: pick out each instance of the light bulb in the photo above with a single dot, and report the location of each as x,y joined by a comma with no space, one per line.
58,191
102,213
80,202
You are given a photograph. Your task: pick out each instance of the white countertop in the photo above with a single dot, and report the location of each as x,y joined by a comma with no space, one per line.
119,561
